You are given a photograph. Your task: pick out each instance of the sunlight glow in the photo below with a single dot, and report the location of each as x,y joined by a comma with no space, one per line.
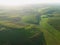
25,2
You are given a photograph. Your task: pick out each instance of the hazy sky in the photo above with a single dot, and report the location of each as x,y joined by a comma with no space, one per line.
24,2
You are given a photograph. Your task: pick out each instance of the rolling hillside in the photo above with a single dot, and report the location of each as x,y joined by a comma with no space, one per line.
33,25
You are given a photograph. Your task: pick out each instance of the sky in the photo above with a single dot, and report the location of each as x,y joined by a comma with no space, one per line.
25,2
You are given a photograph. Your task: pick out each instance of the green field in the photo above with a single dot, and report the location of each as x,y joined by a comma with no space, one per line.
33,25
52,36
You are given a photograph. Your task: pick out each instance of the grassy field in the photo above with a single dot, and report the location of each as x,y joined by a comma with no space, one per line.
52,36
55,22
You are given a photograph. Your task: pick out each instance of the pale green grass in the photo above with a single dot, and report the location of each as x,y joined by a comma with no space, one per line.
52,36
